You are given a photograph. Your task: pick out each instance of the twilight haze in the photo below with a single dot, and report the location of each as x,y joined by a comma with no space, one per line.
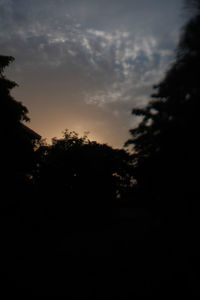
84,64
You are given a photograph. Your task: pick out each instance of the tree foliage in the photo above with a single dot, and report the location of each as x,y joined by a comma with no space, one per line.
83,174
165,142
17,146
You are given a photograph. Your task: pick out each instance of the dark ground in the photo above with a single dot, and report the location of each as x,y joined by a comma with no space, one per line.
134,254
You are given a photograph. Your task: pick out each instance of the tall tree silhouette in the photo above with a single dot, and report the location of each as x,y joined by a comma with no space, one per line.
165,143
17,147
166,159
17,162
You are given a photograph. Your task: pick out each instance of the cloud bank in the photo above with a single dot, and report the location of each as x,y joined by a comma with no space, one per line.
104,54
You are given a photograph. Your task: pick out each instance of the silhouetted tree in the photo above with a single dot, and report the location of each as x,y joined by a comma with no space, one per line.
17,146
166,159
17,162
165,143
82,175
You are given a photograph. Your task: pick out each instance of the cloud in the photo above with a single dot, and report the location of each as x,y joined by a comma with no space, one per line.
107,54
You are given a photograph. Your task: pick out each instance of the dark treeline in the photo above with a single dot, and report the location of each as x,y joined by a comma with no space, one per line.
81,218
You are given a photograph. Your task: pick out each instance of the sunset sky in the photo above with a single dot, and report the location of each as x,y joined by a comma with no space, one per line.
84,64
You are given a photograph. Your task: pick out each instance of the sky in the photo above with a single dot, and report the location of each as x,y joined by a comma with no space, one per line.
83,65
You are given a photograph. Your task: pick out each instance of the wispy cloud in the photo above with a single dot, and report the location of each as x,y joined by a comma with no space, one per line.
108,53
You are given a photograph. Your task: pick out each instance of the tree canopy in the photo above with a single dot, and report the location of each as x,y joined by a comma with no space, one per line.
165,143
83,174
17,144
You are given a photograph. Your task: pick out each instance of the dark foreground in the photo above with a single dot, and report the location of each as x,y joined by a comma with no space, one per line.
132,252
